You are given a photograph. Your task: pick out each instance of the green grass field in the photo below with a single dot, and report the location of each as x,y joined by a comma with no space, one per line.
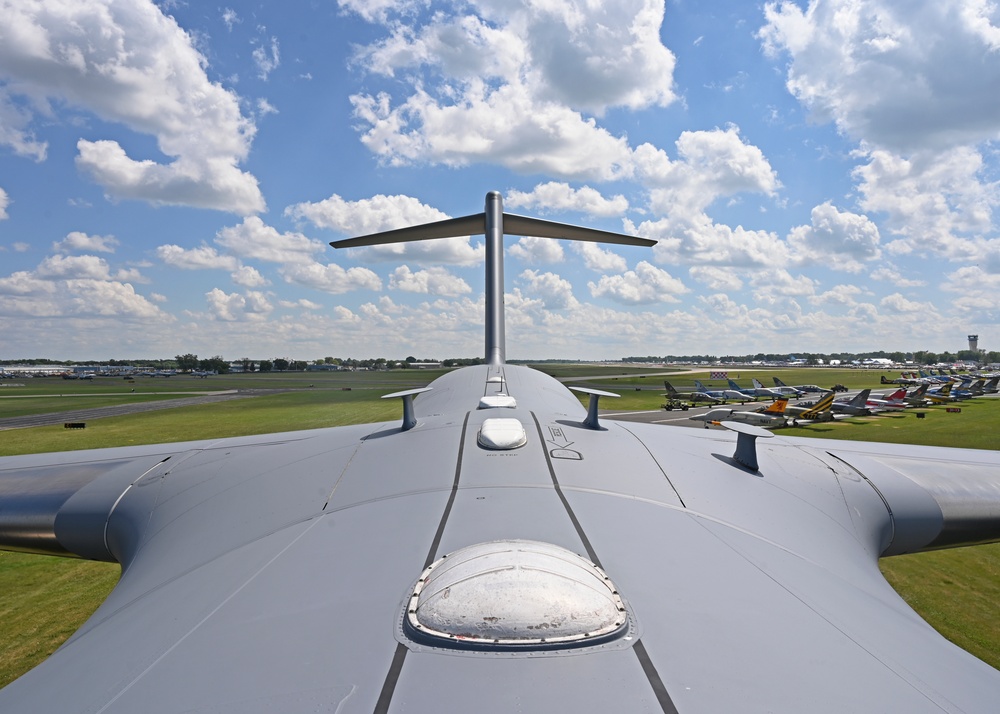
44,599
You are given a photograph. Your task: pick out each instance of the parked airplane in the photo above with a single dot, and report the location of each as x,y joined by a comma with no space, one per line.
888,402
724,394
821,411
773,416
754,391
783,390
799,387
941,394
502,549
853,406
902,379
775,392
693,397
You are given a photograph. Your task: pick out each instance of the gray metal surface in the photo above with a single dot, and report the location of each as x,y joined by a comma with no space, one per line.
274,573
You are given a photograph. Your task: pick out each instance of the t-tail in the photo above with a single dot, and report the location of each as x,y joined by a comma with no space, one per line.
494,224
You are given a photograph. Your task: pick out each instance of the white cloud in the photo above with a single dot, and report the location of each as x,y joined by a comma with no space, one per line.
935,202
897,303
202,258
697,240
889,274
253,306
847,295
368,215
230,17
74,266
302,304
646,284
716,278
600,259
74,287
774,286
267,57
511,85
433,281
331,278
709,165
532,249
249,277
556,293
129,63
78,241
840,240
4,202
14,131
254,239
558,197
904,77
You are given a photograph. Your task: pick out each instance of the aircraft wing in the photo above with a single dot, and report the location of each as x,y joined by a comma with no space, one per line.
276,573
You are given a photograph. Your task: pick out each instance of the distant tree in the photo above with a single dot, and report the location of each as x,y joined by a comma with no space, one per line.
265,365
187,362
214,364
281,364
248,365
298,365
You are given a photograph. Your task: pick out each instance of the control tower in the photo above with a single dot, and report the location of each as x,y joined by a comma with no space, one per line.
974,343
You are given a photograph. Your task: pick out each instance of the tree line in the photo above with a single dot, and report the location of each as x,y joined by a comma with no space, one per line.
924,357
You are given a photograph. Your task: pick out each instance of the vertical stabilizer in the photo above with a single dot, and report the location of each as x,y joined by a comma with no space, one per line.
495,339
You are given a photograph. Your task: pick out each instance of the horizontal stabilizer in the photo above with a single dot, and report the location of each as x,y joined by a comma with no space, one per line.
476,225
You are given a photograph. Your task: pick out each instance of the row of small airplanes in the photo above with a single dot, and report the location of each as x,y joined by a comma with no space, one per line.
913,391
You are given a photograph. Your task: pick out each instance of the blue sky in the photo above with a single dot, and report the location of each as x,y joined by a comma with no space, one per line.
820,176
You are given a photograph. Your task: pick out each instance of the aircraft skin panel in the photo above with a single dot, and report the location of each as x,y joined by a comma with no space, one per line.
727,612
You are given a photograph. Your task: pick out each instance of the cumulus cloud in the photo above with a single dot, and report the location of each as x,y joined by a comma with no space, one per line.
559,197
646,284
512,85
840,240
255,239
555,292
78,241
202,258
129,63
716,278
231,307
889,274
709,165
368,215
433,281
901,77
698,240
532,249
331,278
600,259
898,303
74,266
249,277
4,202
69,287
935,203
